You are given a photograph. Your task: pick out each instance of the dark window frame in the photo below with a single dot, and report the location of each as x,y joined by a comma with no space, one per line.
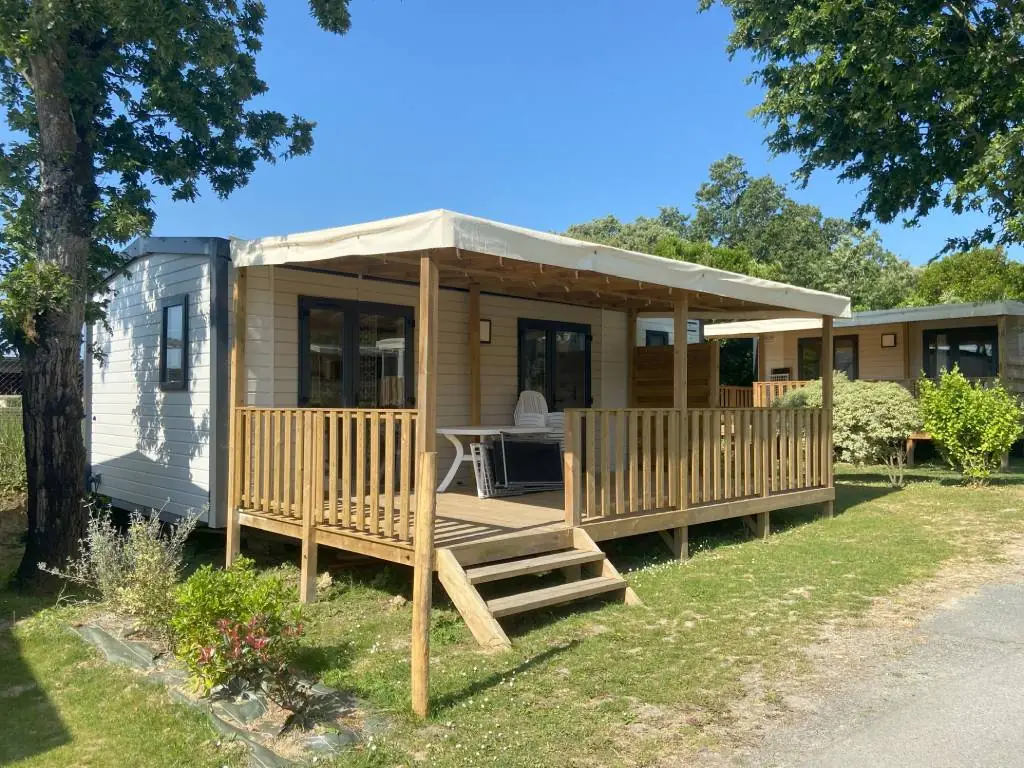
351,309
527,323
806,340
987,333
651,333
178,300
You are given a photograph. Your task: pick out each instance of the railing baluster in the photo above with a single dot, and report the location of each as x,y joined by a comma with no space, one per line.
620,462
359,510
389,475
590,502
605,477
696,497
346,469
634,462
373,472
332,467
405,477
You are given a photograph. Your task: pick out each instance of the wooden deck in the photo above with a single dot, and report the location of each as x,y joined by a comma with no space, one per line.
462,521
488,530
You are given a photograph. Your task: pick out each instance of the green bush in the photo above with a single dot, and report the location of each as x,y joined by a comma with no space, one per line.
12,450
971,424
133,572
236,625
871,420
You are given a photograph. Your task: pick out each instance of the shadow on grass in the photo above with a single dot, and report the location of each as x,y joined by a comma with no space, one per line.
495,678
31,724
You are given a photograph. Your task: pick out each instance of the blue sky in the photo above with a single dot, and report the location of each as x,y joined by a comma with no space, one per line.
536,113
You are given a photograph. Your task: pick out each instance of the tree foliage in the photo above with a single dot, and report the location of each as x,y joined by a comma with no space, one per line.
103,100
751,225
160,94
980,274
923,103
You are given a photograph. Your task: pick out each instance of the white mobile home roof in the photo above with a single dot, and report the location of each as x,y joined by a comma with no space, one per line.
447,229
874,317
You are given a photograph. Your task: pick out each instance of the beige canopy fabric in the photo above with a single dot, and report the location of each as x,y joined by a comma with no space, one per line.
872,317
442,229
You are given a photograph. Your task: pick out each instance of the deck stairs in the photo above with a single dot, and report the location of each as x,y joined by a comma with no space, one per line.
587,573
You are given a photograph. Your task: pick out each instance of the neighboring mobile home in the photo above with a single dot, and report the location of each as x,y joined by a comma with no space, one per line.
321,366
986,340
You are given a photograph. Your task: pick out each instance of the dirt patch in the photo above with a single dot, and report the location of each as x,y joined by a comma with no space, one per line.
847,649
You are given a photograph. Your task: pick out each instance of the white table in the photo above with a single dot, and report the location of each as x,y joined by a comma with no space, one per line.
454,435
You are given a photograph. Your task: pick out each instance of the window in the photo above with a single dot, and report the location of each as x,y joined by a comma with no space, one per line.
354,354
844,357
554,359
656,338
974,350
174,343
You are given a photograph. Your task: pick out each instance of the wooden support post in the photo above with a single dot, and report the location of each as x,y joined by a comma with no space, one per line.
237,382
475,397
631,358
827,365
570,470
714,374
680,542
426,359
680,380
312,503
423,573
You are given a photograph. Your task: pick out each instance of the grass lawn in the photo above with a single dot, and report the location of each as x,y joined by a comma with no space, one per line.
597,685
61,705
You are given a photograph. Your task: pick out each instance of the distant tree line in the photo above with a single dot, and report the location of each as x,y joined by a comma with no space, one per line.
751,225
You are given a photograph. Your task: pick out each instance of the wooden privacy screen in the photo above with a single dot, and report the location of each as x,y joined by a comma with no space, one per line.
347,467
653,376
643,460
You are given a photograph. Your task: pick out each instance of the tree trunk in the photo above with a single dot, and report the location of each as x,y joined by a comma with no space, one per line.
51,355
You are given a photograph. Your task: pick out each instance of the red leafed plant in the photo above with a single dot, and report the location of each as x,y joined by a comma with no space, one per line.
250,654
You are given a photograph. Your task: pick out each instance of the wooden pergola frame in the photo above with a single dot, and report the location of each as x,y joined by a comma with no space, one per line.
455,269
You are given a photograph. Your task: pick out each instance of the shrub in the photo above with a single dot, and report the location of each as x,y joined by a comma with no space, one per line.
236,626
133,572
972,425
12,449
871,420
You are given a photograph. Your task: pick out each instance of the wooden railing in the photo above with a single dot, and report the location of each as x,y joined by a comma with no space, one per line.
735,397
644,460
767,392
345,467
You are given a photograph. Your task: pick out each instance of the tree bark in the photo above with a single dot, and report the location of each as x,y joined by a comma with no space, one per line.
52,408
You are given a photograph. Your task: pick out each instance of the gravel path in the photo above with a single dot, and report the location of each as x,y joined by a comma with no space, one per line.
955,698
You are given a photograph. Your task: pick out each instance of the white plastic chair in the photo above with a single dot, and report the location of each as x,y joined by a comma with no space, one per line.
531,409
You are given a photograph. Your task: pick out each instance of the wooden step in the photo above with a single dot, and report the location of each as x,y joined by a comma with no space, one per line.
518,544
482,574
563,593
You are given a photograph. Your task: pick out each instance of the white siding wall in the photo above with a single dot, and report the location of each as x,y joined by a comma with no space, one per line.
272,343
152,448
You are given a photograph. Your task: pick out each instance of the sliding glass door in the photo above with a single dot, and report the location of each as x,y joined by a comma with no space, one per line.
354,354
974,350
554,359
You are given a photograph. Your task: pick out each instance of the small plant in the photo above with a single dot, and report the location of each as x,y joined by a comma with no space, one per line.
871,421
972,425
238,628
135,571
